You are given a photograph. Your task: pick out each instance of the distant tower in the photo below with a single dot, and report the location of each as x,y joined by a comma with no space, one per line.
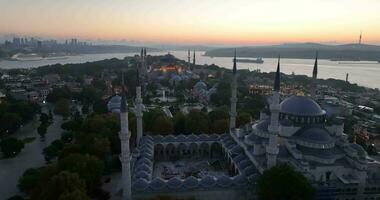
360,38
143,69
193,58
188,60
272,148
347,78
314,81
233,95
125,158
138,111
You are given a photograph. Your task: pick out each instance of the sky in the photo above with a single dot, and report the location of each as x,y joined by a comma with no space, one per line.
243,22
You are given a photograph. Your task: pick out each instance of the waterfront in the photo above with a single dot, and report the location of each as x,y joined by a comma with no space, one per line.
362,73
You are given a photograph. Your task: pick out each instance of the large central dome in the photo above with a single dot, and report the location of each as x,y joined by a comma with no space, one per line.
301,106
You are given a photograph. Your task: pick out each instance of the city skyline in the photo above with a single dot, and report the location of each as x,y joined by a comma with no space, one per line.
196,22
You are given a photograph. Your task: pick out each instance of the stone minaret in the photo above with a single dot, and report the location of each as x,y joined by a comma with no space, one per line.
188,60
138,111
125,157
314,82
233,95
272,148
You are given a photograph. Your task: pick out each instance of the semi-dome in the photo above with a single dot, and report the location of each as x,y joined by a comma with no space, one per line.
301,106
314,137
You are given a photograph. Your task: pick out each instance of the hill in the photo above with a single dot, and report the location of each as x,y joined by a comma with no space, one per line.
304,50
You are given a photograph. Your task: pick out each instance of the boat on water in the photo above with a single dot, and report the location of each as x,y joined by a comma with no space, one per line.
257,60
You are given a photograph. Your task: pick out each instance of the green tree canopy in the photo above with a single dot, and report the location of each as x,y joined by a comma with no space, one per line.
11,147
62,185
283,182
197,122
89,168
163,125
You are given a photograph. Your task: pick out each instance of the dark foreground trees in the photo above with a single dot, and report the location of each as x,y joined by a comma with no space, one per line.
10,147
283,182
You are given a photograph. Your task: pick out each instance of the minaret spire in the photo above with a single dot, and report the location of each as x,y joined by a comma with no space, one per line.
193,58
139,112
233,95
125,157
272,148
277,78
188,60
315,73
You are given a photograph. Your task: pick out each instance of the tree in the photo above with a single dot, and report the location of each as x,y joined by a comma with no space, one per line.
179,123
58,94
197,122
42,129
100,106
29,180
220,126
62,185
243,118
88,167
10,122
62,107
283,182
162,125
53,150
44,118
74,195
11,147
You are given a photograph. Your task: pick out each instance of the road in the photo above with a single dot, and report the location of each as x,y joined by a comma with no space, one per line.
30,157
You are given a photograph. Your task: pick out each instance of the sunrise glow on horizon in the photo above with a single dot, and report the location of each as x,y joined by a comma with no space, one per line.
195,21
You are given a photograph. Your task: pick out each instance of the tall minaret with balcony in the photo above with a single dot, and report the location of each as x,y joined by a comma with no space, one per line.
233,95
272,148
188,60
314,81
193,60
125,157
138,111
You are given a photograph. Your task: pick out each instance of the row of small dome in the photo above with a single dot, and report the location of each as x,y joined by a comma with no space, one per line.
191,182
186,138
238,157
144,165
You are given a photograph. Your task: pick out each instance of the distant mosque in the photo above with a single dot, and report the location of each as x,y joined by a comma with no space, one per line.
293,131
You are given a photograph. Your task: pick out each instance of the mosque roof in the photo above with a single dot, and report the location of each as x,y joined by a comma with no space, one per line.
315,135
207,181
142,175
240,180
200,85
174,183
140,184
224,181
191,182
157,184
301,106
263,125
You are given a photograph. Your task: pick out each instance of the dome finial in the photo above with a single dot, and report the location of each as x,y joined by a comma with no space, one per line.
277,78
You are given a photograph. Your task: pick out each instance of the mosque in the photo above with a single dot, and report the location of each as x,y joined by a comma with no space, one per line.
294,130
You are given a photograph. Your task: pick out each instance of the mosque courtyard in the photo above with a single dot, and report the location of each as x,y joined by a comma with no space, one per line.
197,167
